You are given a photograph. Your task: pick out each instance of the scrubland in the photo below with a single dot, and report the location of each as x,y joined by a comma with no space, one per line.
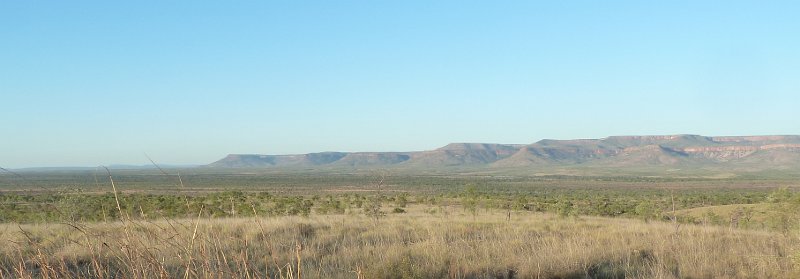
422,243
402,227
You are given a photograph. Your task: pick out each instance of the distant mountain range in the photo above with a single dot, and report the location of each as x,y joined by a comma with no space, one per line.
670,152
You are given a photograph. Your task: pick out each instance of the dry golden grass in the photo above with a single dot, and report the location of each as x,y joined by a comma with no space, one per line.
412,245
760,212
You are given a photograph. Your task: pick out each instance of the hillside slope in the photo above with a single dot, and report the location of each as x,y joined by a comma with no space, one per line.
745,153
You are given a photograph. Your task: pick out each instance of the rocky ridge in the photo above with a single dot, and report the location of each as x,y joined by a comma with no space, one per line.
616,151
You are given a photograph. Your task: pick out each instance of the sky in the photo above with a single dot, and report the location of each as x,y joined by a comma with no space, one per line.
87,83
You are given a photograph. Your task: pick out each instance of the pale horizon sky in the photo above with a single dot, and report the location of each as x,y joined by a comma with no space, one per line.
87,83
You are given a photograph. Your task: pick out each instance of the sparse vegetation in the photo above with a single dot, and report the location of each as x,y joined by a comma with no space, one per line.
486,229
413,245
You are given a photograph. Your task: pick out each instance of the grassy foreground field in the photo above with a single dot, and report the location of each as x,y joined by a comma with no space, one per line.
417,244
239,225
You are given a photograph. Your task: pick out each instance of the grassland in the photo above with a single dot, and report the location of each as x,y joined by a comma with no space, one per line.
368,225
450,244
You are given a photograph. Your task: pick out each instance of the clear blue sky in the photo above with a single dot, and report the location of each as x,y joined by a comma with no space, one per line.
85,83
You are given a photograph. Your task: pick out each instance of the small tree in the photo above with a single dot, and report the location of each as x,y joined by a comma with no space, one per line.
358,201
521,203
646,210
564,208
402,200
785,206
470,200
373,206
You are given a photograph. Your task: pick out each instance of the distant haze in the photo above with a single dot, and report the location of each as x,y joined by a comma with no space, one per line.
103,82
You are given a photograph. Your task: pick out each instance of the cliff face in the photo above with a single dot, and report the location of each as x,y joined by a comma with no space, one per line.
726,153
671,149
722,153
618,151
757,139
